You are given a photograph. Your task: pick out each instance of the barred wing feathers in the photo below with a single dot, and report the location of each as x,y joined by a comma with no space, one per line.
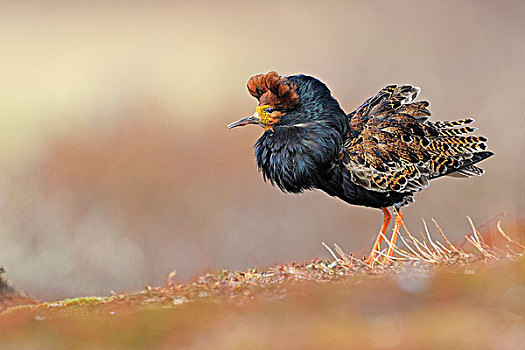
392,146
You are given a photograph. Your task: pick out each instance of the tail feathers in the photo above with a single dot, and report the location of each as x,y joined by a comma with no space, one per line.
452,124
453,139
467,167
456,132
467,171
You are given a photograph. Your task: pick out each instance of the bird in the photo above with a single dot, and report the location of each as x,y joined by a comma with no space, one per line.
377,156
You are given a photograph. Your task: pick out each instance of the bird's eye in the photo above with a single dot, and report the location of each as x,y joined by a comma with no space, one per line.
270,110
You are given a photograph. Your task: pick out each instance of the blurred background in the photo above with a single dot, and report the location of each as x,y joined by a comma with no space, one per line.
117,168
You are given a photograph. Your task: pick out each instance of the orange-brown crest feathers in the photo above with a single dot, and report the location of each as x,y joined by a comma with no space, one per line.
271,89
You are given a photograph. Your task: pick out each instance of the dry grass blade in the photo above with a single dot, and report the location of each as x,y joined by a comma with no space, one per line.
446,252
437,249
417,244
395,248
500,230
330,251
408,245
347,258
454,249
475,232
431,251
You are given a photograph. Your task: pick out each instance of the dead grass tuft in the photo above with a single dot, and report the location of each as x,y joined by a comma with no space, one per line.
427,249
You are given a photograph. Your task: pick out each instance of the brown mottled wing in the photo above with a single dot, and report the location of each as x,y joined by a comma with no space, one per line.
392,146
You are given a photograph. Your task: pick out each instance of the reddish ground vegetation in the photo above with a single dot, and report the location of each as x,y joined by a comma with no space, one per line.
471,300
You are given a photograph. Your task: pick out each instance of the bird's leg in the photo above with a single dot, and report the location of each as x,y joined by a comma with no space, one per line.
386,221
398,221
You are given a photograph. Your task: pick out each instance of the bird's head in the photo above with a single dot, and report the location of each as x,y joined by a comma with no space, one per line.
277,96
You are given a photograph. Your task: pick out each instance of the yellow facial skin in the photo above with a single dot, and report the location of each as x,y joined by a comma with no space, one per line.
267,120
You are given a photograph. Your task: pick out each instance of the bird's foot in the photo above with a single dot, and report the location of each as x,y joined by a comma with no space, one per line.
371,259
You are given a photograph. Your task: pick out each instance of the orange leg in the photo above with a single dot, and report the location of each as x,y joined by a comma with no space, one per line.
386,221
398,221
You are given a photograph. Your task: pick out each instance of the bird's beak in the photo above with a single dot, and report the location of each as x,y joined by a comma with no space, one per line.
253,119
